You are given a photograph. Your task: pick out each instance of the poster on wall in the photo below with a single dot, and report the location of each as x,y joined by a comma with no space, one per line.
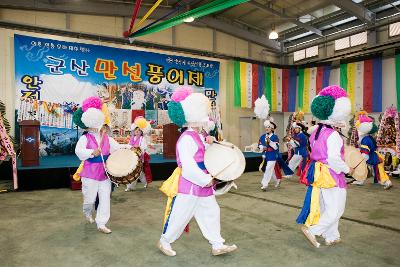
53,77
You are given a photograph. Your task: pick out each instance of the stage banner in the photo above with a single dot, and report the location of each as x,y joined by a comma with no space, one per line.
53,77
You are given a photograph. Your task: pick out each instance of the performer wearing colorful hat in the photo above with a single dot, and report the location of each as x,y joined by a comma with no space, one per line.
94,149
139,128
325,199
269,144
366,129
190,188
299,142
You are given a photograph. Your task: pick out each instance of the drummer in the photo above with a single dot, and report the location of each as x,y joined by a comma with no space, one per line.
366,129
195,193
321,215
93,176
139,127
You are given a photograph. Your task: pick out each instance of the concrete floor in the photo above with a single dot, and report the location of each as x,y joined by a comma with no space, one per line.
46,228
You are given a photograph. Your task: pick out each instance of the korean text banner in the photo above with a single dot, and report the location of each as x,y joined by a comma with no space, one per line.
52,77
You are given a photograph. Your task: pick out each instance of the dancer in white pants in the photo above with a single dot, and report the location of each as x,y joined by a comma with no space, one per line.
94,147
195,192
299,142
269,144
327,153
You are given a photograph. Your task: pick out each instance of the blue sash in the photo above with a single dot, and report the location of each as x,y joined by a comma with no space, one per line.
98,159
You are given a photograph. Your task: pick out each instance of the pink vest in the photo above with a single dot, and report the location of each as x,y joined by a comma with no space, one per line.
319,152
185,186
135,142
95,170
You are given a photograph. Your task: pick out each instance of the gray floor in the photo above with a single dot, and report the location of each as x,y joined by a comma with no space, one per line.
46,228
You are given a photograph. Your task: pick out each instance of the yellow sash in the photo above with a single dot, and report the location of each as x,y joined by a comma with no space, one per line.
77,176
381,169
170,188
322,179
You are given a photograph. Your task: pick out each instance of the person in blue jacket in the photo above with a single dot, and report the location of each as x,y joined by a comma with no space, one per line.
299,142
369,149
272,160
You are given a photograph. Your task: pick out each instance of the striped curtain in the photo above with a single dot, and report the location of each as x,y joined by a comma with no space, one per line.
310,83
252,81
363,82
397,64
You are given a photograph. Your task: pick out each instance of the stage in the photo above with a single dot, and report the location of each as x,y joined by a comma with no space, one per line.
55,171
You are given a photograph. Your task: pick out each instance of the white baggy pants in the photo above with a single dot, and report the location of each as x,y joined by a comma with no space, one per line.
295,161
332,205
206,212
90,189
269,173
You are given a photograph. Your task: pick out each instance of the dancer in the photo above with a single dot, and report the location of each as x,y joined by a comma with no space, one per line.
94,149
299,142
139,128
269,144
366,129
325,199
190,188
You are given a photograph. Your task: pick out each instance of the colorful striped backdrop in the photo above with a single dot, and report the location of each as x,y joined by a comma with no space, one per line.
252,81
397,64
363,82
310,82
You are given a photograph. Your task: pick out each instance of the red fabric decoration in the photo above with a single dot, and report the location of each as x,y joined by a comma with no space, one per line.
303,176
137,113
320,79
254,89
277,170
285,90
368,84
146,168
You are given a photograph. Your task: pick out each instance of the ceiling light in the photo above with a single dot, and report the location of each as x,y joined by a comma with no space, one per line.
273,35
189,19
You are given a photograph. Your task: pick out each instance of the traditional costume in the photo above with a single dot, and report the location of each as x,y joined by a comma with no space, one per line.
368,147
325,199
93,175
140,142
269,145
299,142
190,188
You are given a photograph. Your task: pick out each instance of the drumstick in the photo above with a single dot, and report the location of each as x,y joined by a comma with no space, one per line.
355,168
359,163
230,146
215,176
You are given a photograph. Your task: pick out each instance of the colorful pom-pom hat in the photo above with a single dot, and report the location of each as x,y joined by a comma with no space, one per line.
189,109
331,105
365,124
93,113
141,123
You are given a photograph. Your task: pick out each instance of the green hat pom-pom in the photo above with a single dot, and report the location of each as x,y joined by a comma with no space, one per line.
322,107
77,118
176,113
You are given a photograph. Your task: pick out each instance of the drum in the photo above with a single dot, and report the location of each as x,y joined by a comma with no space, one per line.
225,162
124,166
354,159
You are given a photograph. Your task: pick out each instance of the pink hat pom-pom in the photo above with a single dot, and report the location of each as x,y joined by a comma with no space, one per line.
333,91
92,102
365,118
181,93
